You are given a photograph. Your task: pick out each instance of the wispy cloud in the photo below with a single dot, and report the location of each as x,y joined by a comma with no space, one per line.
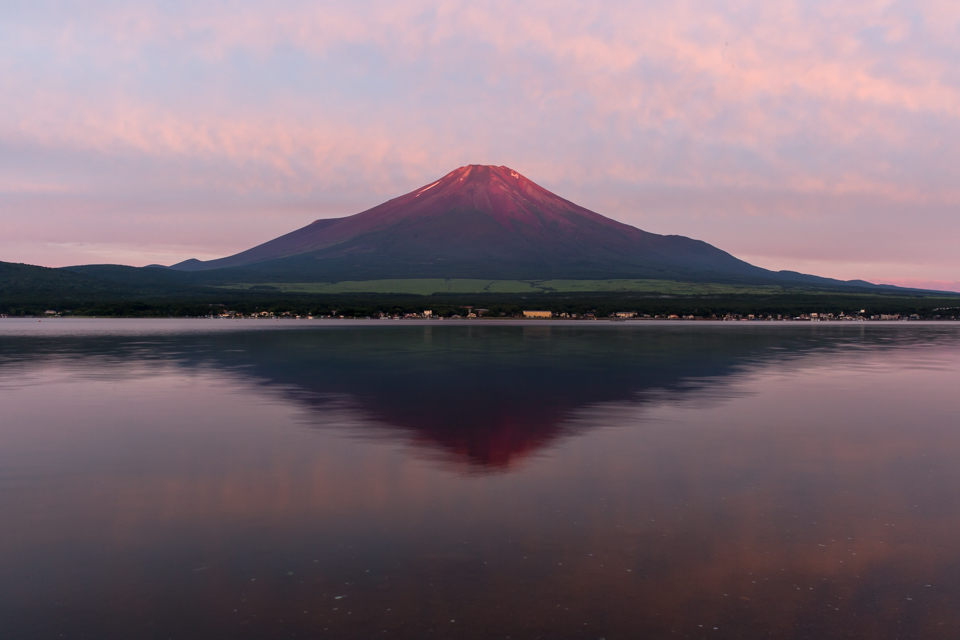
748,124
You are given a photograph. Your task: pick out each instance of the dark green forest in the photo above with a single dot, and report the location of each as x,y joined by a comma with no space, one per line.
113,291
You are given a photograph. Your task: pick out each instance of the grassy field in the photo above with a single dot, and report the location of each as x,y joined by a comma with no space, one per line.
434,286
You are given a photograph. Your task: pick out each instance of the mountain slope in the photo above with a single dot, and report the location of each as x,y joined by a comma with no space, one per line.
477,221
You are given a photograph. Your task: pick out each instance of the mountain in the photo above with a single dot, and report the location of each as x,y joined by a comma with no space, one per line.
486,224
479,222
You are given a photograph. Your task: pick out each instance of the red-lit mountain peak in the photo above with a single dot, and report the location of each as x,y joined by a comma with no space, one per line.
478,221
499,192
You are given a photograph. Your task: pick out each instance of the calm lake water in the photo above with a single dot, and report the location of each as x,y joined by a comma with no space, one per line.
258,479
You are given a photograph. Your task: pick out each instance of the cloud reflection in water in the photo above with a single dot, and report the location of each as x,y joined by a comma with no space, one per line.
785,482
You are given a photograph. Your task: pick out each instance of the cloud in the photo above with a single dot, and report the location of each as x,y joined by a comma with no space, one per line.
828,106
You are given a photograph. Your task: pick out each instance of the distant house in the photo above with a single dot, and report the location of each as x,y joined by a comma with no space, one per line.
427,313
626,314
537,314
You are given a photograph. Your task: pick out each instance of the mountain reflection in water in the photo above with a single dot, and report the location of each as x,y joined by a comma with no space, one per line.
484,396
612,481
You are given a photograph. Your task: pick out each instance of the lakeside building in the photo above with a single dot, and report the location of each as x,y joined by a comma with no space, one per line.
537,314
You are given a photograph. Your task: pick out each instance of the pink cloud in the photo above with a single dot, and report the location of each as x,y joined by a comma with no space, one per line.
830,106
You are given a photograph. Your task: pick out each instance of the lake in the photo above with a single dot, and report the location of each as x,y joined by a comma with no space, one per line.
436,479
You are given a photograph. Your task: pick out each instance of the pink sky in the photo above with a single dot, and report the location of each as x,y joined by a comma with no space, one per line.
822,137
